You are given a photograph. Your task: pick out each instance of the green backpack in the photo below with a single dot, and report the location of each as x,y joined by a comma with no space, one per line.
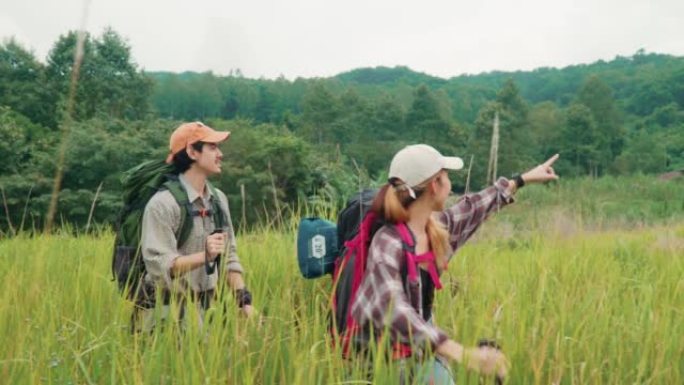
139,185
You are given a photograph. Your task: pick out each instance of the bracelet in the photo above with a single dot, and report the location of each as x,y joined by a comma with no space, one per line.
243,297
519,181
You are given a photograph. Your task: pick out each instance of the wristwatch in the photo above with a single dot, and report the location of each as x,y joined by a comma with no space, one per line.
243,297
519,181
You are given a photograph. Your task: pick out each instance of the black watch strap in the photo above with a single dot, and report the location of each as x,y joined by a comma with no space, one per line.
519,181
243,297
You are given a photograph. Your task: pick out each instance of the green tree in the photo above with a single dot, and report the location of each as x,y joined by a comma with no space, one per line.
546,124
109,82
193,96
355,131
22,142
170,96
231,105
389,119
517,147
122,89
354,119
320,110
13,143
426,121
610,135
273,165
581,154
22,84
265,110
665,116
644,153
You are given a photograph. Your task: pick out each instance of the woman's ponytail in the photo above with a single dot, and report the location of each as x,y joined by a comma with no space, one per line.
439,241
392,204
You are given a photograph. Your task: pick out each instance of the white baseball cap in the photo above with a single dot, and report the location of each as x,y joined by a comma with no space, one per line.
416,163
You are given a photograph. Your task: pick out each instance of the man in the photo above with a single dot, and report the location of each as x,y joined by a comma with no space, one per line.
187,271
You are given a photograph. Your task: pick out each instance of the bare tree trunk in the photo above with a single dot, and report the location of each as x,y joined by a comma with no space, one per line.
470,168
493,151
7,214
244,205
23,215
92,207
275,195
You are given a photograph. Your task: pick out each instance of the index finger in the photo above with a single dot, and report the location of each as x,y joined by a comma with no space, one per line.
551,160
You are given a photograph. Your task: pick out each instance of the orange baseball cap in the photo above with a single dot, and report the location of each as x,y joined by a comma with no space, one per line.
189,133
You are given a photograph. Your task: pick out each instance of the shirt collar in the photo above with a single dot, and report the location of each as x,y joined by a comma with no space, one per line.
192,193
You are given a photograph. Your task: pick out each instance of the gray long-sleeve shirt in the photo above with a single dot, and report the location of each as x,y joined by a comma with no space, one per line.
161,224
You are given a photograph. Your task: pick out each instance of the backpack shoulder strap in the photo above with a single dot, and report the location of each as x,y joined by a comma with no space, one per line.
220,222
181,196
412,260
220,216
408,244
406,236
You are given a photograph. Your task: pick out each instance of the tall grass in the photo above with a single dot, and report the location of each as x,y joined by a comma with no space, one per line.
571,301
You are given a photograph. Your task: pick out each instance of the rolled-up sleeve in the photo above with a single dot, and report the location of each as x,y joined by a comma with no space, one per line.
158,240
232,261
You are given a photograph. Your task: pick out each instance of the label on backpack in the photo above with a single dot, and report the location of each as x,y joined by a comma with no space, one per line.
318,246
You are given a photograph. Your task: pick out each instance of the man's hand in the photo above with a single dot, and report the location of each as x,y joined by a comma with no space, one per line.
248,311
253,315
215,245
542,173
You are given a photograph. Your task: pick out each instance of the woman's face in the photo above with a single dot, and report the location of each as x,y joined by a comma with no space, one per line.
442,189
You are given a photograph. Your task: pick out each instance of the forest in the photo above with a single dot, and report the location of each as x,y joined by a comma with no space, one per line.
301,141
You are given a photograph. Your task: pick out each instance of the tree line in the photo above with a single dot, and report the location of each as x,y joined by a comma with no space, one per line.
317,140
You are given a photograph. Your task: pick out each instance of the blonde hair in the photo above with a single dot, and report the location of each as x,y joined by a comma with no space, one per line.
393,203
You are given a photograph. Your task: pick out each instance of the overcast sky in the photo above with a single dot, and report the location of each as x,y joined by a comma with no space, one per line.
322,38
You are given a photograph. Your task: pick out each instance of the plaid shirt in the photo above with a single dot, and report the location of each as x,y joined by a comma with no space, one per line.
382,299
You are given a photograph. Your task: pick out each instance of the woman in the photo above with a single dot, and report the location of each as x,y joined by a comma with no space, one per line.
390,302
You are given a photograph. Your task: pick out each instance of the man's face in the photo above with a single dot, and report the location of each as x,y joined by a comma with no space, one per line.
209,160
